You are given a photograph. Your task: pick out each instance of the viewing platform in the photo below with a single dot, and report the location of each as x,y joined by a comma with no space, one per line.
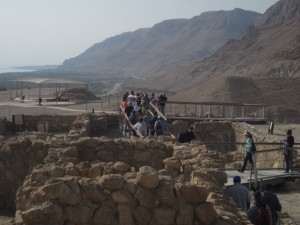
264,176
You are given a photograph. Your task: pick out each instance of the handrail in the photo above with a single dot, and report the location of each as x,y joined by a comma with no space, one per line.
216,110
216,103
157,110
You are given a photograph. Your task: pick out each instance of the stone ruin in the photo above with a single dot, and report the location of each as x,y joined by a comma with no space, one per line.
76,179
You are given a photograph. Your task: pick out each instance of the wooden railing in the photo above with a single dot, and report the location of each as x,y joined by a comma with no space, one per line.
214,109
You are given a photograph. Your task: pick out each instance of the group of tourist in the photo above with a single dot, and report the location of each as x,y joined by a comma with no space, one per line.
265,208
145,122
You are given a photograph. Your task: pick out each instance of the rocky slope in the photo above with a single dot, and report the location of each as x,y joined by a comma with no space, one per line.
261,67
147,50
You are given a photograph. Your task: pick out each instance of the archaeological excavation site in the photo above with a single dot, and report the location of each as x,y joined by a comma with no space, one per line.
81,171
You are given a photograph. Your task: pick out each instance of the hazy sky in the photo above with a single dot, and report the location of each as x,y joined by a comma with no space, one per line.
46,32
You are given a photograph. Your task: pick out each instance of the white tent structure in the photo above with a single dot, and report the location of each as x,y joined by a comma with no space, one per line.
42,80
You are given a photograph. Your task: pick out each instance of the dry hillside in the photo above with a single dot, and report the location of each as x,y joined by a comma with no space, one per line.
261,67
147,50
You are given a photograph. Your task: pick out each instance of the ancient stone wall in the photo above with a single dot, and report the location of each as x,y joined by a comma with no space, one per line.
106,181
17,158
93,124
90,180
55,123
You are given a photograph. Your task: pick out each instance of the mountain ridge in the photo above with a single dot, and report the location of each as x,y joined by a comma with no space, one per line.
168,42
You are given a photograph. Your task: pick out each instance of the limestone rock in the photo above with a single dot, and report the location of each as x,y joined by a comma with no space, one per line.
80,214
46,212
125,216
147,177
173,163
205,213
142,215
95,170
112,181
122,197
105,215
57,171
121,167
164,216
145,197
193,193
185,215
91,187
165,194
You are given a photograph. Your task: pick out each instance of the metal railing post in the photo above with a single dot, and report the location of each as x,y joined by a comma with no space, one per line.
254,169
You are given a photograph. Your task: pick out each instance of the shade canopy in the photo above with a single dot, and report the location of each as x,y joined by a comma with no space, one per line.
42,80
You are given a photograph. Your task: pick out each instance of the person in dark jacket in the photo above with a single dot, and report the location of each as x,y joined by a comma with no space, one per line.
271,199
152,123
187,136
288,151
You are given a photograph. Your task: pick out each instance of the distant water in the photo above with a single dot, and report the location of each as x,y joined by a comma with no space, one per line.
12,69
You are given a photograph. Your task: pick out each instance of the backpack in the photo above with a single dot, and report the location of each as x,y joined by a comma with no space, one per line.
152,122
158,129
253,147
264,216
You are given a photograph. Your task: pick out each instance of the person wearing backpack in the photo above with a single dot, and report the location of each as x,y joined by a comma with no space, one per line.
273,202
259,213
250,148
288,151
159,126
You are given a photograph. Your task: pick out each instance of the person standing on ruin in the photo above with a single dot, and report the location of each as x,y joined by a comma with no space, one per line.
131,98
288,151
162,99
141,127
240,194
259,212
250,146
159,126
147,119
132,120
187,136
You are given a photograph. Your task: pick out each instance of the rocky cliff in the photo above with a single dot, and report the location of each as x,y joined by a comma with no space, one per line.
146,50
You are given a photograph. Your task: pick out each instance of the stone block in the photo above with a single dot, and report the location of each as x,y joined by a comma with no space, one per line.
147,177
